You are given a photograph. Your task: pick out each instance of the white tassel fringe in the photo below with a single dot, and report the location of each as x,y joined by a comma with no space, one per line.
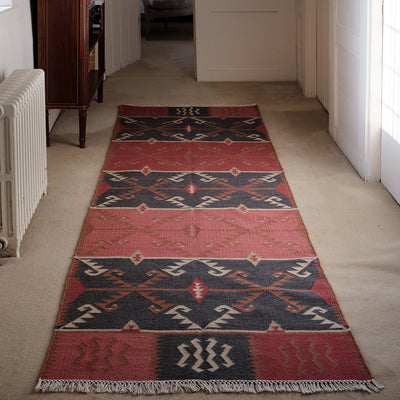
213,386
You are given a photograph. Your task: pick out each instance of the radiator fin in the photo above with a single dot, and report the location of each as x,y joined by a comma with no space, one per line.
23,158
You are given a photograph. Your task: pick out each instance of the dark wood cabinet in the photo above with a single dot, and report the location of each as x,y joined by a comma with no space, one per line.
65,39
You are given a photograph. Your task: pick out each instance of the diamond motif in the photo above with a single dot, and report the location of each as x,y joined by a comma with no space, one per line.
188,128
192,231
191,188
198,290
254,259
243,208
142,208
152,141
137,257
234,171
228,141
145,170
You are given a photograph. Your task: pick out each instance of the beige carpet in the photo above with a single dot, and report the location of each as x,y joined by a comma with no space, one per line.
354,226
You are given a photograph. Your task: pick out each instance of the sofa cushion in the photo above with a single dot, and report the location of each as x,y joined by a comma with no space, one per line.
170,3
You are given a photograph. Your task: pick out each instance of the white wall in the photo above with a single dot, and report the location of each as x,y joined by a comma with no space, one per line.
323,52
122,40
252,40
306,46
16,43
122,36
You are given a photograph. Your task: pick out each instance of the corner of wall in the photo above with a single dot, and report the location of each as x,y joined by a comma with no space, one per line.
16,39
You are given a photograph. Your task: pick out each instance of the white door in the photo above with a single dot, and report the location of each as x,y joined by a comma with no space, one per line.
323,52
391,98
354,85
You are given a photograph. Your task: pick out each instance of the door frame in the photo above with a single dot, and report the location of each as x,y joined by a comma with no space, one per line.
323,53
373,144
372,55
309,83
372,103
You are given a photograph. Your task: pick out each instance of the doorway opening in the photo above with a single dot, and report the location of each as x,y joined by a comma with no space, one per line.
169,43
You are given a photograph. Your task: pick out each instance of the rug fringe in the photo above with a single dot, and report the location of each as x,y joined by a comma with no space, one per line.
216,386
192,105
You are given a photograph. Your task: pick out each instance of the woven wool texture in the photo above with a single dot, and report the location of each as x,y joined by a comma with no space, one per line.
194,270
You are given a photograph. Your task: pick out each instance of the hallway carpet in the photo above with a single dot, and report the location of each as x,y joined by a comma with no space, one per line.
354,226
194,271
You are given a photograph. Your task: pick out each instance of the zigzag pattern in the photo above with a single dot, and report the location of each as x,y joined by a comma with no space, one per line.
199,363
215,294
199,190
191,129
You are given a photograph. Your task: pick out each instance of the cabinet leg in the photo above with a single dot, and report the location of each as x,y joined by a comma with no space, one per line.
47,128
100,92
82,128
147,31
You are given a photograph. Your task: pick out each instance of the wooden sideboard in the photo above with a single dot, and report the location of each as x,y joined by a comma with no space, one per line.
66,37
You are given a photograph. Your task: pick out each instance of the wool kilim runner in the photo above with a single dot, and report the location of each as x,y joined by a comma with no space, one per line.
194,270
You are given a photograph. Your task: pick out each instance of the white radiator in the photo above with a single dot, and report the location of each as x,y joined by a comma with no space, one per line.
23,164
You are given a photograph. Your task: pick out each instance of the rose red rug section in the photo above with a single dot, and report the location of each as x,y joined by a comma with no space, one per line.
194,270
